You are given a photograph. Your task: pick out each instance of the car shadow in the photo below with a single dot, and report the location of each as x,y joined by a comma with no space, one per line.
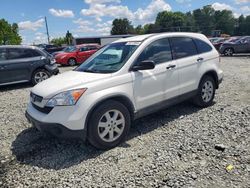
15,87
36,149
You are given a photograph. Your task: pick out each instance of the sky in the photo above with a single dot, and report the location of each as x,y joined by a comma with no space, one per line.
94,17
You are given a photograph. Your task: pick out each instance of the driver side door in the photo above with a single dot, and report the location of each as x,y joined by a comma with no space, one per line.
153,87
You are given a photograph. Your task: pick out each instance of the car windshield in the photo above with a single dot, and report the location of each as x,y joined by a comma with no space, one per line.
70,49
110,58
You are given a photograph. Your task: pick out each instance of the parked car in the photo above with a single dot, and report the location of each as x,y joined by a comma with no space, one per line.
24,64
217,43
62,51
76,54
123,81
242,45
50,48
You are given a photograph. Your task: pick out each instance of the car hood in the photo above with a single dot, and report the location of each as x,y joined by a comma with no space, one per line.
66,81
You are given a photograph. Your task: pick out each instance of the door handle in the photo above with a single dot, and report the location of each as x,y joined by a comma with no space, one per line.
200,59
170,67
1,68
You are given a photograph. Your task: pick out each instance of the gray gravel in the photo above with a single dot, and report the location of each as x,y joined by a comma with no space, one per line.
182,146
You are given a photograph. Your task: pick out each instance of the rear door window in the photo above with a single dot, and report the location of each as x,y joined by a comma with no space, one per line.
158,51
202,46
183,47
19,53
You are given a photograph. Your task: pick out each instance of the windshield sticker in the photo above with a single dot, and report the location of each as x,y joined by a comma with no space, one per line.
133,43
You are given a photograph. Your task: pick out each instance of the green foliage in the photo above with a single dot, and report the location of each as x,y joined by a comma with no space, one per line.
9,33
203,20
68,39
122,26
59,41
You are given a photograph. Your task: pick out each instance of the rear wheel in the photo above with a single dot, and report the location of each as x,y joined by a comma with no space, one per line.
206,92
228,52
72,62
39,75
108,125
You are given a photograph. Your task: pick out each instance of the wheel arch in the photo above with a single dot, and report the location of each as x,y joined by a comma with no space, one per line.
119,98
214,75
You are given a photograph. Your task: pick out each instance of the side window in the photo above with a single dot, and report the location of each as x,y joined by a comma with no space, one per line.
18,53
159,51
15,53
83,49
34,53
202,46
3,55
183,47
92,48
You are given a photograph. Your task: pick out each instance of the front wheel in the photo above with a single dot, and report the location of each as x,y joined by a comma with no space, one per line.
206,92
39,76
72,62
108,125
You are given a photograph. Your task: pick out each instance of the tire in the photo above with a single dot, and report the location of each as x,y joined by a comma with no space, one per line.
101,125
72,62
39,75
206,92
228,52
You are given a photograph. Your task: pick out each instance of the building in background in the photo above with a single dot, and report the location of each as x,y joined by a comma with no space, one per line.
102,40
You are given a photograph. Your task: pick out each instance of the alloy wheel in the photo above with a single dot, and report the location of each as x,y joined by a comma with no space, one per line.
207,91
111,125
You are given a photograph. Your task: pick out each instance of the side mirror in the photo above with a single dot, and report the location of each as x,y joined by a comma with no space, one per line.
144,65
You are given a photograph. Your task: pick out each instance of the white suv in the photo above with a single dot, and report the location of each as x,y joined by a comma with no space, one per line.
123,81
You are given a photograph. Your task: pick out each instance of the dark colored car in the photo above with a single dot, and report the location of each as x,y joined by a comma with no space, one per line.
50,48
217,43
20,64
242,45
76,54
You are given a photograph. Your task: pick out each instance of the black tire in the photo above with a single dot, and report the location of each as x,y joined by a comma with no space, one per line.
34,78
198,99
72,61
228,52
97,114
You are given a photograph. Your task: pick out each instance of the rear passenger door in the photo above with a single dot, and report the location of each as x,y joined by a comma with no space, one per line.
188,62
21,62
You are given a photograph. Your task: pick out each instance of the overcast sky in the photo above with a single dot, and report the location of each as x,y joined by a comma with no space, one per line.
94,17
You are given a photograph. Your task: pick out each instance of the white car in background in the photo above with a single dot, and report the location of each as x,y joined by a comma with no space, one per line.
123,81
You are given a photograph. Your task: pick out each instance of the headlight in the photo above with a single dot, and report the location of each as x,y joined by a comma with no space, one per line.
67,98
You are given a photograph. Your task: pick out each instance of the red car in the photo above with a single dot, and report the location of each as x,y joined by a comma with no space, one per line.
76,54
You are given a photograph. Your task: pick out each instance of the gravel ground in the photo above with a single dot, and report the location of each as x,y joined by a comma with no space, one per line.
182,146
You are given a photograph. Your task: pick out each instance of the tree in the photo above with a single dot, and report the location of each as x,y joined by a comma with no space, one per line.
224,21
69,38
122,26
59,41
204,19
170,21
9,33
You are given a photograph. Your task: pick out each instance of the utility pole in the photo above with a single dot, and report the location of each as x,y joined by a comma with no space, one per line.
47,29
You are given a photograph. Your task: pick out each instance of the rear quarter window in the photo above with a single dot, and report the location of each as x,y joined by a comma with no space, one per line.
202,46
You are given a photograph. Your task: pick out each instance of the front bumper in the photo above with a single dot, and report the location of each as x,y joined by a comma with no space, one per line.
56,129
53,69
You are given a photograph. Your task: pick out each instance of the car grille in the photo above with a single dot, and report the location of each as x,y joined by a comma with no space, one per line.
44,110
38,99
